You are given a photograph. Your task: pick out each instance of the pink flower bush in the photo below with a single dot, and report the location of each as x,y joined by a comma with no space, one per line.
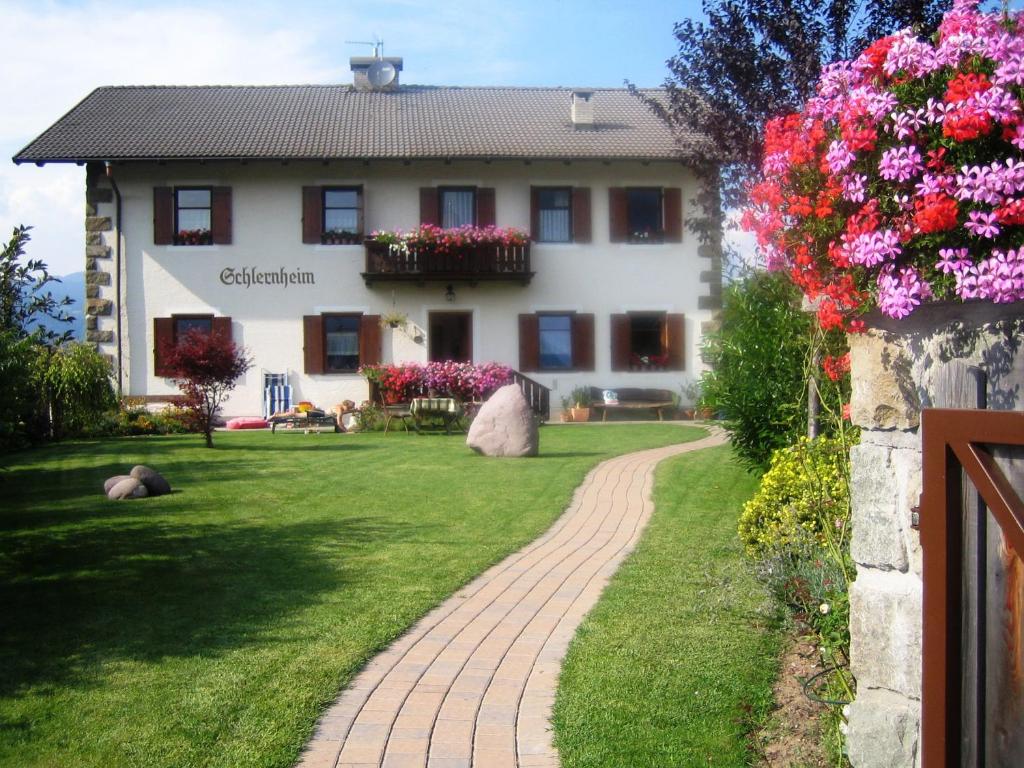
902,179
463,381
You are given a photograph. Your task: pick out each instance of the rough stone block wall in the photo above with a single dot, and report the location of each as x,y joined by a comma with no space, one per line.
897,368
100,299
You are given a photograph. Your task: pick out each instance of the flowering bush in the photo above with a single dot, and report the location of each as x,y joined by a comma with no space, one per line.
902,179
463,381
429,237
806,490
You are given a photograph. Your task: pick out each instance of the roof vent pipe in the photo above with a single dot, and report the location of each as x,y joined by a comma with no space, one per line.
582,111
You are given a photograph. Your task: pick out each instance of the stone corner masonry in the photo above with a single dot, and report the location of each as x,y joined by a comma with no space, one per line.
899,368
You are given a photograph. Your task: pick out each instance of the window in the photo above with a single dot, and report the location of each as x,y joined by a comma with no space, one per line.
185,323
341,343
168,331
646,337
458,207
342,211
193,216
555,341
643,215
554,215
647,341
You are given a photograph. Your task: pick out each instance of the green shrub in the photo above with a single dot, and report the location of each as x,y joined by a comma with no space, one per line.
806,490
76,379
759,363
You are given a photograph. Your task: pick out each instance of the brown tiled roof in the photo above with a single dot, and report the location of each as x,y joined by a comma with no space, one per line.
339,121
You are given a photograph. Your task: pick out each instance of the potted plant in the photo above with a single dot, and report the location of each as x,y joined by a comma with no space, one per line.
394,319
580,399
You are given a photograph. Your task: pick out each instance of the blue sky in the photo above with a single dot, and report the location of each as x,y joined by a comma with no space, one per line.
56,52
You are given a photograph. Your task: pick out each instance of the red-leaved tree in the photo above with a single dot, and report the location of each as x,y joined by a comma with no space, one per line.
206,366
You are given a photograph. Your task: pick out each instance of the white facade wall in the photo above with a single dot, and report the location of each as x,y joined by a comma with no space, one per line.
600,277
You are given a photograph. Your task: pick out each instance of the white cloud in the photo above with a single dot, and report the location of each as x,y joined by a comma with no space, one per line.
56,54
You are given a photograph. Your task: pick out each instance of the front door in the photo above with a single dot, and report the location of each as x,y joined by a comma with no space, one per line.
451,336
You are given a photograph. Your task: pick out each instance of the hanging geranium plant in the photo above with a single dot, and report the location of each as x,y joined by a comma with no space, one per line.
902,180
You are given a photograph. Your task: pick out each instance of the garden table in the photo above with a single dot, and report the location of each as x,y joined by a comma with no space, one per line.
447,410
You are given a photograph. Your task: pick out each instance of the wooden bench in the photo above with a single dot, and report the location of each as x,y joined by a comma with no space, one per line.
632,398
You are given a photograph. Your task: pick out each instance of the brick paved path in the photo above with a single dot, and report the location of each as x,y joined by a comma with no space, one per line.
473,683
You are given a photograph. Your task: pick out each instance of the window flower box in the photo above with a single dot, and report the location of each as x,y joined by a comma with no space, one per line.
194,237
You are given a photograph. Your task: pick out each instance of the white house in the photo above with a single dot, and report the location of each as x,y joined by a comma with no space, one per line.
243,210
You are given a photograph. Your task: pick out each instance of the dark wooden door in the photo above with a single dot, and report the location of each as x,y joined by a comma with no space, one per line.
451,336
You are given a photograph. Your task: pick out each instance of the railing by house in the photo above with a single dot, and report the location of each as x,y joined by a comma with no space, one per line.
386,262
536,394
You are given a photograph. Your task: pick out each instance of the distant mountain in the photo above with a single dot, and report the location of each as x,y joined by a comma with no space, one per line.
73,286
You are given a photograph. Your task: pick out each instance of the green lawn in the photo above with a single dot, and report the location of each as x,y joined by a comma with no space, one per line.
209,627
675,665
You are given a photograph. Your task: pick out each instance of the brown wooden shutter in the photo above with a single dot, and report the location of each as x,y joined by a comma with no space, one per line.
429,206
675,329
620,342
313,343
583,342
534,213
163,216
163,341
673,202
312,214
529,343
581,214
618,215
222,327
361,205
369,340
220,215
486,214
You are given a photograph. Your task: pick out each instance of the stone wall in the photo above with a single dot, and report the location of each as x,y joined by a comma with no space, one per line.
900,367
100,304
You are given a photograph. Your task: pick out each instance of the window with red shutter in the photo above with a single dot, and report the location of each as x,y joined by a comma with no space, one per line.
312,214
340,343
220,215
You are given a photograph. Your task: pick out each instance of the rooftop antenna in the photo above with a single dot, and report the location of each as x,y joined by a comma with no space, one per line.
377,45
380,73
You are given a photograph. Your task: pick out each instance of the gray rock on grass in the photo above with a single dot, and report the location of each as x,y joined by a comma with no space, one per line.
505,426
129,488
153,480
110,482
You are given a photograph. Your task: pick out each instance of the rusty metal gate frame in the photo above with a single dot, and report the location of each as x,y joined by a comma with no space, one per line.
953,440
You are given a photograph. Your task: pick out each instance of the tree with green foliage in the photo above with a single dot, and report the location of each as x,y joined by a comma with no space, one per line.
24,297
759,362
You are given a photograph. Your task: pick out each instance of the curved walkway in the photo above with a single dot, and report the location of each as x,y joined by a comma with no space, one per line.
473,683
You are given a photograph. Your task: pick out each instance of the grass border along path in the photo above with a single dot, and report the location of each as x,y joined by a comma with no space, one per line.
210,627
675,665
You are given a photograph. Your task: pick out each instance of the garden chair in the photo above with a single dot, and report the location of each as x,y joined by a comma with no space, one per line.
392,411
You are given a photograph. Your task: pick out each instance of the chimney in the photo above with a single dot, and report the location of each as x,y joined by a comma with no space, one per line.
361,72
582,109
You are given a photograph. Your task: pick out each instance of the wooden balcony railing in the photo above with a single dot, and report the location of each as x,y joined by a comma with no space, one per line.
481,263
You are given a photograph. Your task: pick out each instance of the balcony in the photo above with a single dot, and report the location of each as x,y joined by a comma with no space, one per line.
470,263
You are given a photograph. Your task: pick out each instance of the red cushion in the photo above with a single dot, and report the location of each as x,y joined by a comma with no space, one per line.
248,422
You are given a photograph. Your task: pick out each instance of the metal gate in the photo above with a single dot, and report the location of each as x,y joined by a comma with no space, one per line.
972,535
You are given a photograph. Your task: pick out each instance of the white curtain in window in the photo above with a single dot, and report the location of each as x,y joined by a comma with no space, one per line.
343,343
554,226
456,208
